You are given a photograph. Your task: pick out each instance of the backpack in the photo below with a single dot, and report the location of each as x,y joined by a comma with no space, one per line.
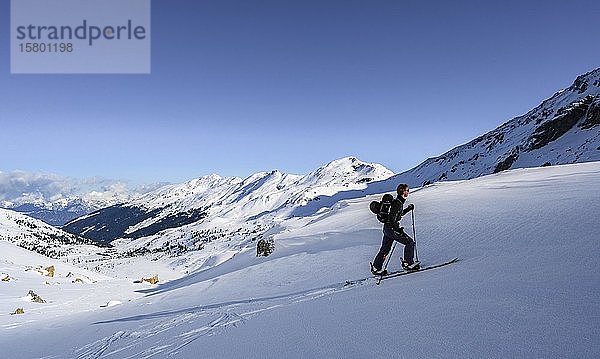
388,210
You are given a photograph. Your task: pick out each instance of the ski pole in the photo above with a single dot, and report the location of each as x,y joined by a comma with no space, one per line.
386,263
414,234
389,256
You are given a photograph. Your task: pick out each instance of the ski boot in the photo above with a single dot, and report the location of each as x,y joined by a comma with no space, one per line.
412,266
376,271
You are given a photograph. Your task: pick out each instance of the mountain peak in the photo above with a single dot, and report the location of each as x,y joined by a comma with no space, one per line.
204,181
351,167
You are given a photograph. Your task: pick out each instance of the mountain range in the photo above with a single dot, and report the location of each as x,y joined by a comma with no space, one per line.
216,199
561,130
57,199
200,219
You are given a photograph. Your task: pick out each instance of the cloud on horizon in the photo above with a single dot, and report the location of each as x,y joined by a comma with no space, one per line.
18,187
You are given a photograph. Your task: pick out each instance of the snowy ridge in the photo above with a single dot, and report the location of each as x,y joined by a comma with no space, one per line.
214,199
562,129
270,189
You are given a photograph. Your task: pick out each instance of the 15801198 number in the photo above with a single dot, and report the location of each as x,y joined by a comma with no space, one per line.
46,47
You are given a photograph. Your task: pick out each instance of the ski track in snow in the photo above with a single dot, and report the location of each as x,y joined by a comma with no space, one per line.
211,320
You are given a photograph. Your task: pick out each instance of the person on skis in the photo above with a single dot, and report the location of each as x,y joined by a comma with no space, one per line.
393,232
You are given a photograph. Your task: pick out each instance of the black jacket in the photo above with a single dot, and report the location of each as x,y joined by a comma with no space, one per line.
393,220
396,213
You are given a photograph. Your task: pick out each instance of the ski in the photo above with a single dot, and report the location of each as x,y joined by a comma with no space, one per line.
406,272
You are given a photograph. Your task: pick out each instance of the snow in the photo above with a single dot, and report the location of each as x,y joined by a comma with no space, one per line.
514,139
70,290
261,193
525,286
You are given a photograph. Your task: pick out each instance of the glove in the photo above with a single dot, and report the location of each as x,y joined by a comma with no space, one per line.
410,207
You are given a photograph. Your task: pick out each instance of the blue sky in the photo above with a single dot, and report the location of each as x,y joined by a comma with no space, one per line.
244,86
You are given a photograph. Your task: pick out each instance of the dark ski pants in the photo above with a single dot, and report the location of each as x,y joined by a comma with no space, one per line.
389,236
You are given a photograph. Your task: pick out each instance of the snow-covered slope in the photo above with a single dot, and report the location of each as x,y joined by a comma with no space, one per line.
232,200
65,290
526,285
562,129
37,236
